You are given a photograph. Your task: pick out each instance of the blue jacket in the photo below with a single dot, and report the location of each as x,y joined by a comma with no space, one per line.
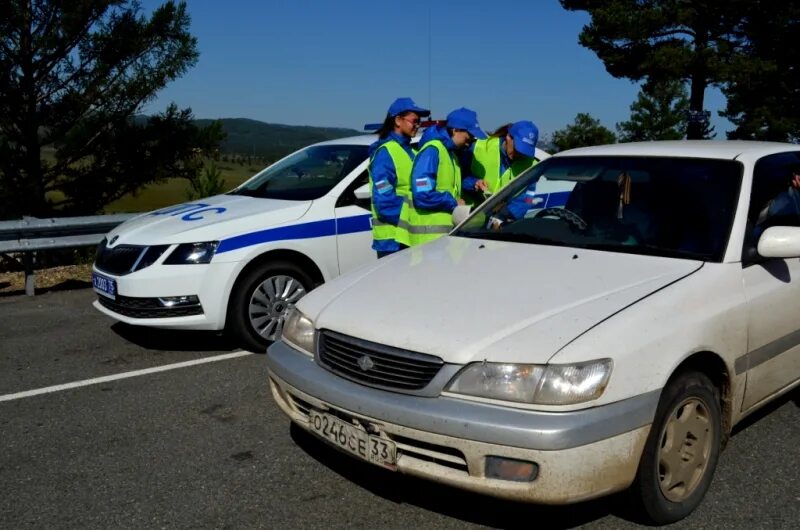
426,165
519,205
465,158
384,186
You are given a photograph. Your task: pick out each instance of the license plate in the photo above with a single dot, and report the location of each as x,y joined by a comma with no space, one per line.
350,438
104,286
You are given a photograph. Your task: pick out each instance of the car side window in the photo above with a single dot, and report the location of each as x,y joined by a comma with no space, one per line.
772,199
348,197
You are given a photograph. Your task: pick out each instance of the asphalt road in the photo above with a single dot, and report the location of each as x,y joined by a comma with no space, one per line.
204,446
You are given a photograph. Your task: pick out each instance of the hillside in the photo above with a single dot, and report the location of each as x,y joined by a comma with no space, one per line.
271,140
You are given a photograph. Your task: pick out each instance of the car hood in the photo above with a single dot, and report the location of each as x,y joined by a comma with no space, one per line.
467,300
207,219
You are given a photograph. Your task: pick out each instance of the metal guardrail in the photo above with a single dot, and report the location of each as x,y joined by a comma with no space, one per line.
30,235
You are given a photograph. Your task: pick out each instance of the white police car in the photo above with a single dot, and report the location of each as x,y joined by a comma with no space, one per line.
239,261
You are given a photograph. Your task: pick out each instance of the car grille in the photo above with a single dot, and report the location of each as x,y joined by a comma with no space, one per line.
124,259
147,308
375,364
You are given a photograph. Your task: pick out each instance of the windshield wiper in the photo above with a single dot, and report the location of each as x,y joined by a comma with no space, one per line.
648,250
244,191
676,253
513,237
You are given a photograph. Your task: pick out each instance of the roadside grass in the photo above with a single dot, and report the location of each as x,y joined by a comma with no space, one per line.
173,191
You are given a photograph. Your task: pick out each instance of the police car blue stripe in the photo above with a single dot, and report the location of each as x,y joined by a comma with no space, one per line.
356,223
326,227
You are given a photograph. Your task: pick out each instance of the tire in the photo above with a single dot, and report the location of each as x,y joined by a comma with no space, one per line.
260,300
681,452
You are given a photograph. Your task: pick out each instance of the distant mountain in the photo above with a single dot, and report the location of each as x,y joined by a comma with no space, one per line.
272,140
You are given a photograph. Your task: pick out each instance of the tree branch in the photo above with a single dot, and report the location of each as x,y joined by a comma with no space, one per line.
47,62
671,33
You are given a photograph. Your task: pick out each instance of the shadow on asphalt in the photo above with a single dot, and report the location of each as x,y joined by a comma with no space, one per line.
466,506
174,340
766,410
67,285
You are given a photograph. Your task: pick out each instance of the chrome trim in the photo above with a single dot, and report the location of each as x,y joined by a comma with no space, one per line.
139,259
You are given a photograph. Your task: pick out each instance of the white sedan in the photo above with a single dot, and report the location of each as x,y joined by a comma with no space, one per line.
558,354
239,261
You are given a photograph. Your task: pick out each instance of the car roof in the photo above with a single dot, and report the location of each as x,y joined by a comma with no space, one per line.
722,149
368,139
362,139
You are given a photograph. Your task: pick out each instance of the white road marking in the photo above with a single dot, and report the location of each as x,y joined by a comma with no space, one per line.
124,375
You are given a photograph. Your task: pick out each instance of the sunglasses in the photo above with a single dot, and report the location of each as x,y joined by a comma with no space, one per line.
414,122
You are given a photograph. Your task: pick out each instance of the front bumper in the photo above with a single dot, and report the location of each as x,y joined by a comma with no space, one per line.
580,454
138,291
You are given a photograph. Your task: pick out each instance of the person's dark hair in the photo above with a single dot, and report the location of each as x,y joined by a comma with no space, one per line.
501,131
388,124
387,127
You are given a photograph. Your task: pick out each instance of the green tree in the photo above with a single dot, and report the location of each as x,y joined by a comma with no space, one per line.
584,131
207,183
765,79
660,112
73,76
662,40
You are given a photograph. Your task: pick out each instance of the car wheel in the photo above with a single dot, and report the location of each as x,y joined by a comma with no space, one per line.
682,450
261,300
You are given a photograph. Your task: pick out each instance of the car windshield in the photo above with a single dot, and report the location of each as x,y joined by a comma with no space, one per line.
663,206
305,175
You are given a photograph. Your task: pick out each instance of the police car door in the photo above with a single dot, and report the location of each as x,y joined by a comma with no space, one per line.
772,287
353,225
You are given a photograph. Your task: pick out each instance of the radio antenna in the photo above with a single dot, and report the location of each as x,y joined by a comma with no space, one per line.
430,100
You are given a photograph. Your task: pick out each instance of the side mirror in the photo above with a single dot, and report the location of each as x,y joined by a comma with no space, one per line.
363,193
780,242
461,212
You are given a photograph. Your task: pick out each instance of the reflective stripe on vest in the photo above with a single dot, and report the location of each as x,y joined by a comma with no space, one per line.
382,230
419,226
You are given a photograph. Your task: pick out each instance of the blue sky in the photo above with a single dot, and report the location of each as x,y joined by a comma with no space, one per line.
341,63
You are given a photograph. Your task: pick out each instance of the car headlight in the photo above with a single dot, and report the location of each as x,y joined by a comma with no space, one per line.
192,253
541,384
298,331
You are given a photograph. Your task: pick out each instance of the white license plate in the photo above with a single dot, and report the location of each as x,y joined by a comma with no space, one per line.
350,438
104,286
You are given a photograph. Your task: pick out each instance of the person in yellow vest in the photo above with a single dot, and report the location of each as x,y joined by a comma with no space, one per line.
391,158
492,163
436,179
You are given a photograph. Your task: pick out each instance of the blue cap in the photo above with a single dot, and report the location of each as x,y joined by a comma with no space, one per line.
525,135
402,105
467,120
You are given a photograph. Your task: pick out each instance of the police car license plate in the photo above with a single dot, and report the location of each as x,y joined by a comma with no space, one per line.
104,286
353,440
